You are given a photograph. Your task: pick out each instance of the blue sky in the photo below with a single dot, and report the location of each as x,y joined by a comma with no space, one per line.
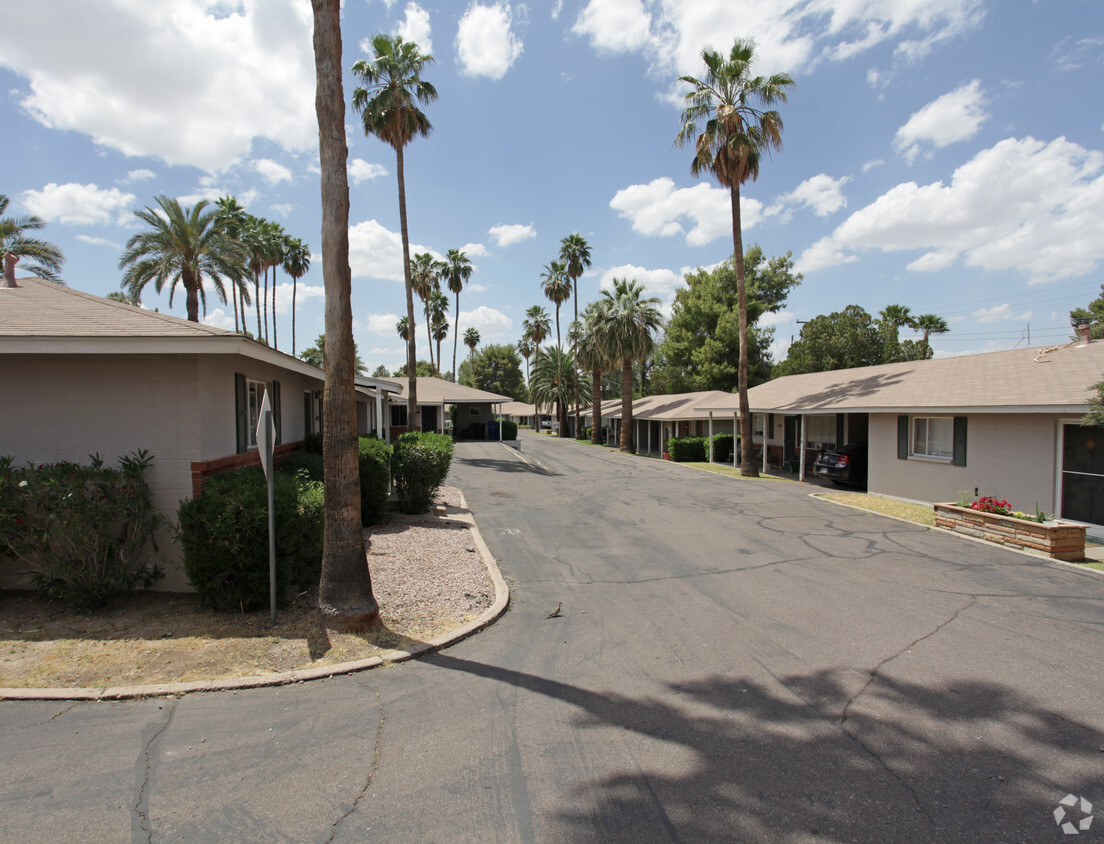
942,155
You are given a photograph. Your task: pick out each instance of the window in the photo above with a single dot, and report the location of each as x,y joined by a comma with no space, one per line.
757,424
255,391
820,431
398,416
932,436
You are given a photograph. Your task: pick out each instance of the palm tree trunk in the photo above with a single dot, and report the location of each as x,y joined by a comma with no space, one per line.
749,468
626,405
294,288
275,342
456,337
575,358
429,336
257,300
345,589
234,299
596,406
266,304
191,289
413,412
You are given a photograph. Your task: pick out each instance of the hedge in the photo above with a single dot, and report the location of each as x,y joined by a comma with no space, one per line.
420,463
723,447
687,449
375,480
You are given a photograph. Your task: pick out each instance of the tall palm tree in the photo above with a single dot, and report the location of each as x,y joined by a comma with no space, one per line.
553,376
402,327
626,324
181,247
437,310
296,263
253,238
232,216
591,356
729,121
46,258
525,349
898,316
423,278
275,238
471,340
557,287
931,324
575,254
345,587
458,271
536,326
389,107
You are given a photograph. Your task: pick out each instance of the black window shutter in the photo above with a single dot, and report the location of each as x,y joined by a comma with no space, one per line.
241,413
959,441
769,431
902,437
841,429
276,410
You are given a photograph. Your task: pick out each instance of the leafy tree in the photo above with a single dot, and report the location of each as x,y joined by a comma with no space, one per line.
389,107
381,371
496,369
626,324
471,340
425,369
733,135
1095,416
345,587
701,348
316,355
126,299
181,247
458,270
296,263
1094,311
46,258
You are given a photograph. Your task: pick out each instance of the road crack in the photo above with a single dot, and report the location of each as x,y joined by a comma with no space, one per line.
371,771
141,807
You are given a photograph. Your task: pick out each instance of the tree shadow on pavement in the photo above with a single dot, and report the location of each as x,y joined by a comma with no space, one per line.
829,755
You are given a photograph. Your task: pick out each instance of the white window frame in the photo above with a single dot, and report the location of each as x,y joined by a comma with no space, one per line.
758,423
941,457
254,395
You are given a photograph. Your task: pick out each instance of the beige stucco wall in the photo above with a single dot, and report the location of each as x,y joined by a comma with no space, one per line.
1010,456
179,407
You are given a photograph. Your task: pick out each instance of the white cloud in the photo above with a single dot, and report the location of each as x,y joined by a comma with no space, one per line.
284,209
661,283
219,319
821,194
82,205
123,73
1021,205
615,25
771,320
360,170
1074,53
474,250
98,241
1000,313
955,116
414,27
491,324
476,288
271,171
303,293
557,7
376,252
511,234
380,324
657,207
486,44
142,175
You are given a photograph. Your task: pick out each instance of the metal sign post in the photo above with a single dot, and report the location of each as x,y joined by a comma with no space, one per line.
266,439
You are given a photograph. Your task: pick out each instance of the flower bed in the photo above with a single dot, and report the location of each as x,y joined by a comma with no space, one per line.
1057,540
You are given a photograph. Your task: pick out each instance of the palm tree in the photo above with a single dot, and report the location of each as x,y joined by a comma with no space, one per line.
181,248
931,324
345,587
437,314
734,133
232,216
626,324
536,326
557,287
471,340
458,271
591,356
275,238
15,245
316,355
296,263
575,254
553,376
402,327
525,349
389,107
898,316
423,278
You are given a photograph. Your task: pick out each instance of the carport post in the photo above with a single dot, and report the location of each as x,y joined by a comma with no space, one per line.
649,424
801,471
766,436
711,436
379,412
500,420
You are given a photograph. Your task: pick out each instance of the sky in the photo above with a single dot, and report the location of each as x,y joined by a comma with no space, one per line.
947,155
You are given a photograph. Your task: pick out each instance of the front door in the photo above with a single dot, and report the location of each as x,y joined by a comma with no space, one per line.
1083,474
429,418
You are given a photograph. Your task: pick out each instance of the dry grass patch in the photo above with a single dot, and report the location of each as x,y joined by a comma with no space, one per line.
918,513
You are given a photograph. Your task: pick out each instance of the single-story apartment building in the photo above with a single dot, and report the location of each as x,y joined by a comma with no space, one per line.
1003,423
658,418
84,375
475,409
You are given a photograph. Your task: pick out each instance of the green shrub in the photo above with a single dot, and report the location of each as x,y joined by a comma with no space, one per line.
420,464
303,461
509,429
84,530
723,447
687,449
224,535
375,480
312,443
584,434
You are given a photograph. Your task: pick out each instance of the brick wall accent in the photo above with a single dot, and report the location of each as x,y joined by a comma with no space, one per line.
1059,541
202,470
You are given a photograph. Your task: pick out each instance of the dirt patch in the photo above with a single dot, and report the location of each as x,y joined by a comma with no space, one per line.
428,578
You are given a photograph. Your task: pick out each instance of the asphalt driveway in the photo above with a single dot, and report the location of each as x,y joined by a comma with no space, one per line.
733,661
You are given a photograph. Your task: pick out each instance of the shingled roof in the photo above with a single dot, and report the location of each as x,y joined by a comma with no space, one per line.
1056,379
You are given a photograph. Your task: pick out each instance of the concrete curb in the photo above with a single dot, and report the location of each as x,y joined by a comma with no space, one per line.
301,675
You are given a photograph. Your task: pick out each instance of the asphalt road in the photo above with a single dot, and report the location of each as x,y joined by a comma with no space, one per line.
735,661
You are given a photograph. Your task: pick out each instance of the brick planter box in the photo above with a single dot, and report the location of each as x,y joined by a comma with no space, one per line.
1057,540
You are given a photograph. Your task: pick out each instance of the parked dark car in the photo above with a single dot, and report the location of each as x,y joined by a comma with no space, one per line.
845,466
